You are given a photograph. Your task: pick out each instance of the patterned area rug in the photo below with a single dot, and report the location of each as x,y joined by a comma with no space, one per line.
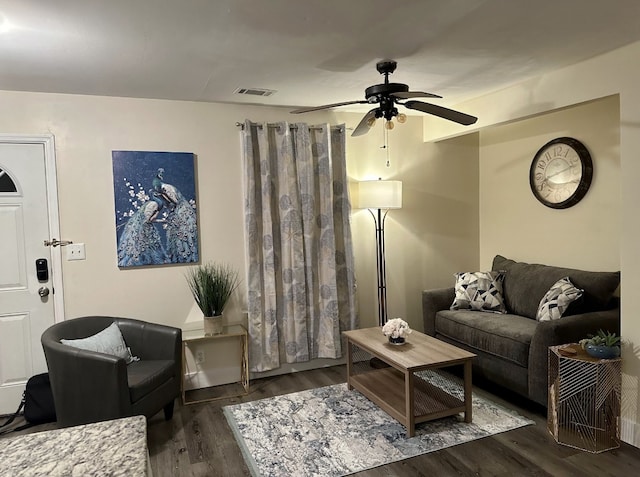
332,431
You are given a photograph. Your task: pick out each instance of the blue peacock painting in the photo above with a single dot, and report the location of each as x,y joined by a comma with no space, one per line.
155,206
181,225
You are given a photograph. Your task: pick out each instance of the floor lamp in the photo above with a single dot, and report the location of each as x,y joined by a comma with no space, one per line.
380,196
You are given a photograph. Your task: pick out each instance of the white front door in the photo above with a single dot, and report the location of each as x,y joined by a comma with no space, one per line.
28,217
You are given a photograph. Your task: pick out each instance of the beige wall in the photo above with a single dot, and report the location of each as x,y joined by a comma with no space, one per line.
86,130
613,74
424,243
436,231
514,224
422,240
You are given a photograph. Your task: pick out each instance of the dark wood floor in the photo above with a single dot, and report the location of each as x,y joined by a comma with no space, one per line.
199,442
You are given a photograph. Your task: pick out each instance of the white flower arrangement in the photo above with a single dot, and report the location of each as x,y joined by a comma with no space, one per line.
396,328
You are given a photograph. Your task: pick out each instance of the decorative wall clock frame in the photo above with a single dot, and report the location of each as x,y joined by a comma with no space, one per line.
561,173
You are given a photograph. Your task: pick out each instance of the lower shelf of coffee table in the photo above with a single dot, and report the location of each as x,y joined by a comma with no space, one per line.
386,388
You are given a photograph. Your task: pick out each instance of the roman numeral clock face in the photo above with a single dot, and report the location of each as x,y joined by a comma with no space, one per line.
561,173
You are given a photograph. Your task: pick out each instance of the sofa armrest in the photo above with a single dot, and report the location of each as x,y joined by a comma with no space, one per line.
569,329
434,301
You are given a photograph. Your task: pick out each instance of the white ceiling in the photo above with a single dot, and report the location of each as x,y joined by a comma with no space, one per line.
311,52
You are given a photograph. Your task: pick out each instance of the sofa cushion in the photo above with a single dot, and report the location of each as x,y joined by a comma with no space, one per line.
506,336
525,284
479,291
147,375
557,300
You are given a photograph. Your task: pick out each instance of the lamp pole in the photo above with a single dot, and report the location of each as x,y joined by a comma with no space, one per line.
381,264
379,197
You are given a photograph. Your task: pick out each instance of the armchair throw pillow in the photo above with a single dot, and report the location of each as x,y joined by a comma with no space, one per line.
108,341
479,291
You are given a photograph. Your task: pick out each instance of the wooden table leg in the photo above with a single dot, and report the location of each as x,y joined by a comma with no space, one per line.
408,393
468,404
349,364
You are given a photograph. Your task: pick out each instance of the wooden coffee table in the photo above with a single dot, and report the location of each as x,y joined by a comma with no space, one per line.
396,388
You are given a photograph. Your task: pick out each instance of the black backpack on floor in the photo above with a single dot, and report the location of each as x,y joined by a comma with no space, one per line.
37,401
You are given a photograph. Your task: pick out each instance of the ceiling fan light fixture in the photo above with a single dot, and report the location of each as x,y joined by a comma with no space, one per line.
371,122
387,95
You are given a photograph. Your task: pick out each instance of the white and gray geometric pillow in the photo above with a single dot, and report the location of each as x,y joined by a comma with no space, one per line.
556,301
479,291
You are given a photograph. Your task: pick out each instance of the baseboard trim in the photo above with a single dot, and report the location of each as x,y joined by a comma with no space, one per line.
287,368
630,432
211,377
217,376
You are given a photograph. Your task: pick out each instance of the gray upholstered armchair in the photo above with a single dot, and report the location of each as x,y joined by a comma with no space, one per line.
89,386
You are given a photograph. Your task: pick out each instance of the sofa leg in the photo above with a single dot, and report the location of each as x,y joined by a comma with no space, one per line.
168,411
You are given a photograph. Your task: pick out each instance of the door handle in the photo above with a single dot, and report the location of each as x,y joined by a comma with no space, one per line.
55,243
43,291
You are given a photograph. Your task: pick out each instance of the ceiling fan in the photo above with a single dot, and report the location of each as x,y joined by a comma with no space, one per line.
387,96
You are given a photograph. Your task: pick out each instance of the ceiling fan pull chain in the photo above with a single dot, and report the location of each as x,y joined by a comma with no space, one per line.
384,140
386,144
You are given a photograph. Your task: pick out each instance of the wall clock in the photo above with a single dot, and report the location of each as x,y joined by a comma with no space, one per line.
561,172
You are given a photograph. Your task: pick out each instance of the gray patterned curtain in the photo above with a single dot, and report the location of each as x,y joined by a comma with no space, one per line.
301,274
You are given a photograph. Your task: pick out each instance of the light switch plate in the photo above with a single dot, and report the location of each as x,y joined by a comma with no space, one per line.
75,251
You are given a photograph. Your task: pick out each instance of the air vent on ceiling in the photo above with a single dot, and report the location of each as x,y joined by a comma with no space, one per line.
255,91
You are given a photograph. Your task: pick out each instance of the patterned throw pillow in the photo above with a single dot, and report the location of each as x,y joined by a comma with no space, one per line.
556,301
480,291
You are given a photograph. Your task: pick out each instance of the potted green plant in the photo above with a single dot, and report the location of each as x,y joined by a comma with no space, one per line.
212,285
603,345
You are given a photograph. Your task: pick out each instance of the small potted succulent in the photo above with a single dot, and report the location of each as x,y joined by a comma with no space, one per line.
396,330
604,345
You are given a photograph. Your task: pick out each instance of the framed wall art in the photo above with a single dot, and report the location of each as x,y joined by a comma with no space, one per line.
155,208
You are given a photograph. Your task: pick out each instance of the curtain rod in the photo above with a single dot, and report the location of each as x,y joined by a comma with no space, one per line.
291,126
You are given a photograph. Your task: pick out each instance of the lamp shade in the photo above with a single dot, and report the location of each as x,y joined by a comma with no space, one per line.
380,194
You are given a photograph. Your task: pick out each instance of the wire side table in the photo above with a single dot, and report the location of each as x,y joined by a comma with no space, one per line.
189,337
584,399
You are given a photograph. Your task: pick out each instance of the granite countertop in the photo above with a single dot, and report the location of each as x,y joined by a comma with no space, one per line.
109,448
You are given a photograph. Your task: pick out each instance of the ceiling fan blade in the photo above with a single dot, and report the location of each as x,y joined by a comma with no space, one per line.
446,113
363,126
327,106
414,94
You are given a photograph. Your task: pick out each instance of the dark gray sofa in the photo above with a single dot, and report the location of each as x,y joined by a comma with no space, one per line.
512,348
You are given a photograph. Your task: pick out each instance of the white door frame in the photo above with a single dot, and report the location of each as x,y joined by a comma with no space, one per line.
48,144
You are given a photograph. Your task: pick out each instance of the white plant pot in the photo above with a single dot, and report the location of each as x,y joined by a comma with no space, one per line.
213,325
